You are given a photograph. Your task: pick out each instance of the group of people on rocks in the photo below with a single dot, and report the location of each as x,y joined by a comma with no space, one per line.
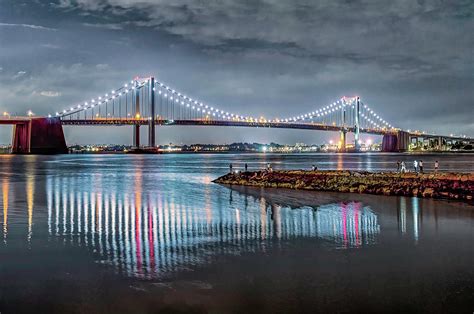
246,167
268,168
401,167
417,166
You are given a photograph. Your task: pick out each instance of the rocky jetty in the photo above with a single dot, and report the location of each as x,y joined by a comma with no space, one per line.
455,186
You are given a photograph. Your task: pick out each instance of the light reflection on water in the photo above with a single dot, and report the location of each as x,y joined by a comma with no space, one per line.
146,234
5,194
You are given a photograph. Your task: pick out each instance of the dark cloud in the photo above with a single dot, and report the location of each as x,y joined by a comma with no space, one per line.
411,60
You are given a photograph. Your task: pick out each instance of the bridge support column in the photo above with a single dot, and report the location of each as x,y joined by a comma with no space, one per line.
152,122
342,146
39,136
136,136
397,142
389,143
21,138
357,126
403,141
136,127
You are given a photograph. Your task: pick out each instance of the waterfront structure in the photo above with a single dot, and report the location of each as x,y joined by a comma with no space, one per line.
146,102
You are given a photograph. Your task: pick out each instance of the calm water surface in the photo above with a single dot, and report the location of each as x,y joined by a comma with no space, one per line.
151,234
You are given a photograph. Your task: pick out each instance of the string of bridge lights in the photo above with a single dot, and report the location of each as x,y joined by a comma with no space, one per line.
125,89
198,106
202,108
171,94
376,120
317,113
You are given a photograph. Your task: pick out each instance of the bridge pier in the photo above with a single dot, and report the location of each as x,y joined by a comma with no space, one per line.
440,143
136,136
342,146
21,138
397,142
39,136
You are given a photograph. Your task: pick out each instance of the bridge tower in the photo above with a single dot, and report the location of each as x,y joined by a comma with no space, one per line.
152,121
342,147
136,127
357,126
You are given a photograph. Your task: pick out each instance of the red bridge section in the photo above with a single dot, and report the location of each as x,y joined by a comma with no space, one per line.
37,135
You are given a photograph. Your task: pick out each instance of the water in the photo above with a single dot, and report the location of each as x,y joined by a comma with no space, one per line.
142,233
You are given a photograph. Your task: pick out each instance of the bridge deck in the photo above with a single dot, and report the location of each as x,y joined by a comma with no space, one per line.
196,122
281,125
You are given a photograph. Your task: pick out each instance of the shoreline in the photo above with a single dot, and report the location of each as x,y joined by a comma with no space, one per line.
442,185
425,153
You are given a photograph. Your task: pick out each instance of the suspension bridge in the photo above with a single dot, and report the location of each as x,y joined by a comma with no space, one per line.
146,102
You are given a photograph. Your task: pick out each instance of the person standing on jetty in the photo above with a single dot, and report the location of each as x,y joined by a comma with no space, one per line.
230,168
403,168
269,167
314,168
398,165
436,166
415,166
246,167
421,166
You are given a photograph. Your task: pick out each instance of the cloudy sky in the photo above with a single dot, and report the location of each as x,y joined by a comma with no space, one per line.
411,60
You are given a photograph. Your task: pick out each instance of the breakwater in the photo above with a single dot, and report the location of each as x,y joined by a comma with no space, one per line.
455,186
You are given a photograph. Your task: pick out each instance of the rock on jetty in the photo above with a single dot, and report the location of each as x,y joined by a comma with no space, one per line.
456,186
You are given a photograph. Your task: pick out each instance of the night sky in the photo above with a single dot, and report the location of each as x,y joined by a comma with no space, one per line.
412,61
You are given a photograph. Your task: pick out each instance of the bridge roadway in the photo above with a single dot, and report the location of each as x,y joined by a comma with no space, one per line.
14,120
278,125
40,135
196,122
